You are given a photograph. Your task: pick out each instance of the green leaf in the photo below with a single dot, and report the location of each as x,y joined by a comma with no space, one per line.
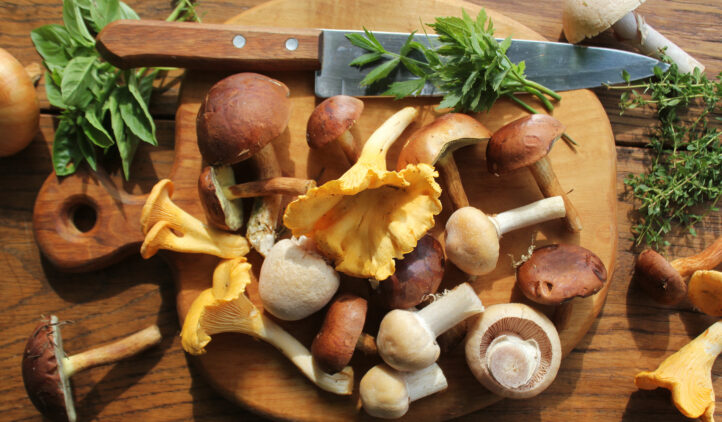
104,12
127,148
66,153
380,72
86,148
406,48
76,79
127,13
53,92
93,128
405,88
145,86
134,117
50,42
365,59
74,23
360,41
626,76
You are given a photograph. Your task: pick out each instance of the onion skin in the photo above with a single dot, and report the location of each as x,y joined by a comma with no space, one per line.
19,106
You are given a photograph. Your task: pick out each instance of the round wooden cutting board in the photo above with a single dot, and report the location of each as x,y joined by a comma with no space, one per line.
255,375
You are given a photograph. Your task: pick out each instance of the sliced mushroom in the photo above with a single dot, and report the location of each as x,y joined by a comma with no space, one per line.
331,121
513,350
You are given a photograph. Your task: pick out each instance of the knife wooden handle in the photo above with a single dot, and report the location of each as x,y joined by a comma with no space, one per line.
147,43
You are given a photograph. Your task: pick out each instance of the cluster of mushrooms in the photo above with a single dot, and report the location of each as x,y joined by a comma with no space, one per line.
373,224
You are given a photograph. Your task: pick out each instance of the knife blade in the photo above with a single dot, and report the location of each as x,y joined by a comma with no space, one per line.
144,43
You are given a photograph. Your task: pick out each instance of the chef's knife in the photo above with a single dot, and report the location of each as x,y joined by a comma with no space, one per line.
140,43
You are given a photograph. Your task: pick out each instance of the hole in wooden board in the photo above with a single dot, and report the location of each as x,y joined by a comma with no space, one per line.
83,216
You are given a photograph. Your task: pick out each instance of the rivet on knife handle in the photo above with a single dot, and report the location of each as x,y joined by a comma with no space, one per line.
146,43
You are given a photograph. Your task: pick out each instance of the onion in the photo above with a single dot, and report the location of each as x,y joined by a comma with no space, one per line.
19,107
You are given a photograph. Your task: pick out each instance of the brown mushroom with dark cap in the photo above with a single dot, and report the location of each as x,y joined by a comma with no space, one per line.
331,121
557,273
47,369
435,143
513,350
666,282
525,142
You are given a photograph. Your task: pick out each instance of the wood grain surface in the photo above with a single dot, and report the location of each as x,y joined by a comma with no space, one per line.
595,382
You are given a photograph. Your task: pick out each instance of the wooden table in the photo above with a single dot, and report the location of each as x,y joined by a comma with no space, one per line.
595,381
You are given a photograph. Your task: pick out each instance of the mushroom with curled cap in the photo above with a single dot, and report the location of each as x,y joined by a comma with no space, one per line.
586,18
369,216
705,291
47,369
665,281
331,121
513,350
525,142
224,308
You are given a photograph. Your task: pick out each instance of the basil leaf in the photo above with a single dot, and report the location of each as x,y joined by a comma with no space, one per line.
135,120
53,92
94,129
50,41
116,119
76,79
66,154
86,147
75,24
104,12
145,86
126,148
127,13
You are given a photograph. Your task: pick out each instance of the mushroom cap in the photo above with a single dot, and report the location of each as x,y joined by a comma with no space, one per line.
220,212
443,135
472,241
45,382
705,291
557,273
335,343
522,142
529,326
384,393
239,115
587,18
331,118
295,281
659,279
405,343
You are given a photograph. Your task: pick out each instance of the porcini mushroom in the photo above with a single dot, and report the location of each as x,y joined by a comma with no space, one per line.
525,142
167,226
331,121
224,308
406,340
688,375
513,350
295,281
370,216
586,18
472,237
47,369
435,143
386,393
666,282
705,292
557,273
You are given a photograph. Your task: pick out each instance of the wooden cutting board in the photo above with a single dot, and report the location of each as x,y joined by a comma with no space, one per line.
252,373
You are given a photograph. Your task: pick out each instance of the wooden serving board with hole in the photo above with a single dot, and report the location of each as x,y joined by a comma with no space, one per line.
251,372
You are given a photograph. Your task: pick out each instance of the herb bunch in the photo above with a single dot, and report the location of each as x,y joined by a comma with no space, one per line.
102,107
686,168
469,64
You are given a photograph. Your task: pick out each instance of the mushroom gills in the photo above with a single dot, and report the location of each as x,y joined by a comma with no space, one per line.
512,361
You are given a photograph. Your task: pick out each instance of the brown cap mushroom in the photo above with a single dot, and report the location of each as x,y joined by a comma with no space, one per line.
586,18
335,343
513,350
557,273
525,142
665,281
331,121
47,369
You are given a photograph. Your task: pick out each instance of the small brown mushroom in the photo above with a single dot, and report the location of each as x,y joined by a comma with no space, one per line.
47,369
557,273
666,282
526,142
513,350
331,121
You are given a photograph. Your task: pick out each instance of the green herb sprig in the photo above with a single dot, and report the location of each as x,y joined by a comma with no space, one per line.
686,168
469,64
102,107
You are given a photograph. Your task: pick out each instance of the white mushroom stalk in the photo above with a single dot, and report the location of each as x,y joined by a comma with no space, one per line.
528,215
407,340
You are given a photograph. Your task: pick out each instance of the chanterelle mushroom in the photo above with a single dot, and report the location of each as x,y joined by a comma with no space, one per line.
370,216
513,350
705,291
224,308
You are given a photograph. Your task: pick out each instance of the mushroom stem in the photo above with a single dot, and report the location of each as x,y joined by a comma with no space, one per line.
549,186
424,382
450,309
537,212
375,149
709,258
350,146
113,352
366,343
512,361
632,28
272,186
452,181
262,223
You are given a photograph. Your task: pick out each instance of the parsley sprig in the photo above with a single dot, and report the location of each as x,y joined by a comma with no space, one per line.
469,64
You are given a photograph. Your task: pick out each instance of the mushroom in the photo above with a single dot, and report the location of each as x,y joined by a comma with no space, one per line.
434,144
472,237
705,292
224,308
406,340
386,393
295,281
525,142
47,369
586,18
513,350
167,226
688,375
557,273
665,281
370,216
331,121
